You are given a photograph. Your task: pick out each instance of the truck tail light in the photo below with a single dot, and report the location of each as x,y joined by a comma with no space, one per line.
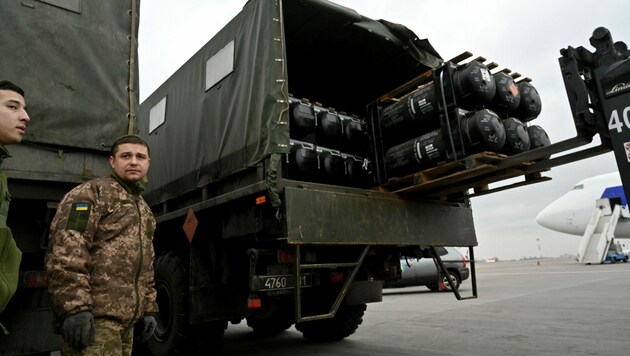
285,256
254,302
335,277
464,261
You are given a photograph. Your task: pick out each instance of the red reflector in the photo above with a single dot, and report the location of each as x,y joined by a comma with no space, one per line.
261,200
254,303
285,256
35,279
335,277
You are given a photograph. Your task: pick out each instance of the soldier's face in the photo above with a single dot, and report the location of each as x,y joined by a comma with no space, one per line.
13,117
131,162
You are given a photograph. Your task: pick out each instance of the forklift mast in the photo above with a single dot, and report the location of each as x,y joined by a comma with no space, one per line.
598,88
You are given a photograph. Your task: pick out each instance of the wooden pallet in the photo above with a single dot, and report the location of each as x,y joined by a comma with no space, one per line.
453,180
476,172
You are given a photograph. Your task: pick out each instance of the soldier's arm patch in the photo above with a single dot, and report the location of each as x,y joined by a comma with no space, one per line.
79,216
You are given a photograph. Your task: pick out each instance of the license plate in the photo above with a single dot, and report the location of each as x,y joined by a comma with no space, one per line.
279,282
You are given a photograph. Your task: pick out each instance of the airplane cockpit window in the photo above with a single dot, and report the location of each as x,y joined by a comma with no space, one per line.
578,187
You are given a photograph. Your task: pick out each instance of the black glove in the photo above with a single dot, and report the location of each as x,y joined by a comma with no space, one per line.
78,329
149,327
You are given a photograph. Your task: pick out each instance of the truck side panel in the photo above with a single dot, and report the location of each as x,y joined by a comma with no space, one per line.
357,217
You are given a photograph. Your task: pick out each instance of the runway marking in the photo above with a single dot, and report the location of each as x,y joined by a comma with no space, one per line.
550,272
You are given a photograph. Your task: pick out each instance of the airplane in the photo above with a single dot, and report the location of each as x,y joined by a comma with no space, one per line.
571,213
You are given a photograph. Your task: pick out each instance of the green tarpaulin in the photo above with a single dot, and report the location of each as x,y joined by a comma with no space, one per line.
311,49
73,59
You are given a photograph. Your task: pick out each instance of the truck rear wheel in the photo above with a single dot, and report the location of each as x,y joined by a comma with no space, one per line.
269,326
174,335
343,324
275,317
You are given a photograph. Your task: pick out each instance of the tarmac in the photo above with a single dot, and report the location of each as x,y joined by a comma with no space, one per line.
547,307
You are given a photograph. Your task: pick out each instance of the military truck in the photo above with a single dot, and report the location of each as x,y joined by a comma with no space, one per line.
305,149
276,201
77,62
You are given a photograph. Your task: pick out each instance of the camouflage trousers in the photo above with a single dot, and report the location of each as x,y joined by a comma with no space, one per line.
111,338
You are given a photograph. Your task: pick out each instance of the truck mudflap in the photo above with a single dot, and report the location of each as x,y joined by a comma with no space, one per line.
357,217
364,292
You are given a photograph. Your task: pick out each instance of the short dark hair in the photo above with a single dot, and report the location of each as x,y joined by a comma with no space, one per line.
7,85
129,139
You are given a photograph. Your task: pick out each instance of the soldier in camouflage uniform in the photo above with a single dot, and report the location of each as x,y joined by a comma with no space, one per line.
100,258
13,122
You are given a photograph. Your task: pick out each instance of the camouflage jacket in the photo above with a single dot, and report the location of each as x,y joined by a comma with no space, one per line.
100,254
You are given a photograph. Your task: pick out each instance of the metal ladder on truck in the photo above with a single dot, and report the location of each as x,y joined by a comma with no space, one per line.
599,233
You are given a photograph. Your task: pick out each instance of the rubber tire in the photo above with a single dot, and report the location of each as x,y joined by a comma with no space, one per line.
343,324
270,326
174,335
274,319
454,276
434,286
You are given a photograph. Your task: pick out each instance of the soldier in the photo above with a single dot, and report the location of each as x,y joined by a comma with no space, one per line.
13,122
100,258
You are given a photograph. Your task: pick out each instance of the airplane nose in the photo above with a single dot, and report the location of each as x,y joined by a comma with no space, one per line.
550,218
560,217
542,218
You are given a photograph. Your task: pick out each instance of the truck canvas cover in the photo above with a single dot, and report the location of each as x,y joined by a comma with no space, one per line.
226,108
84,58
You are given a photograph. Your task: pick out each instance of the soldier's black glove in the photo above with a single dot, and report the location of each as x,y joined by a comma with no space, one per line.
78,329
149,327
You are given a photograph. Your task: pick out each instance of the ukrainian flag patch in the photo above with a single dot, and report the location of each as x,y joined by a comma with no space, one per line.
78,216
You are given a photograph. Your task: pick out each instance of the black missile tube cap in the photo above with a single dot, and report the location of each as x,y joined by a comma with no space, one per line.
301,118
516,136
538,137
474,84
507,97
484,128
530,105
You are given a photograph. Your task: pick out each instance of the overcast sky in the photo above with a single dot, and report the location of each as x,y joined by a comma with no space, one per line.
525,36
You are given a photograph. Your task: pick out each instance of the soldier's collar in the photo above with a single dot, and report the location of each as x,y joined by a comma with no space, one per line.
4,153
131,188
